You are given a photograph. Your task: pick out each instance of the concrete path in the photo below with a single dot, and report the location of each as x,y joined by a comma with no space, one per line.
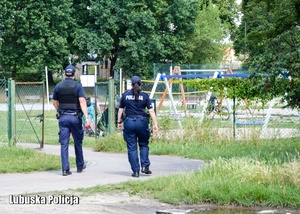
102,168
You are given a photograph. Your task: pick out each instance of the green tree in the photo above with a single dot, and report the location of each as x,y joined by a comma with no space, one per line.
134,34
270,38
205,44
229,12
35,34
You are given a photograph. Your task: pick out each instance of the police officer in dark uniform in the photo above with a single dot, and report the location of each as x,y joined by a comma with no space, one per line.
136,125
70,104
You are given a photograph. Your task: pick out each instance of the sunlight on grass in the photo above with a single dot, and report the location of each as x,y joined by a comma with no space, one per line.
238,172
245,172
235,181
14,159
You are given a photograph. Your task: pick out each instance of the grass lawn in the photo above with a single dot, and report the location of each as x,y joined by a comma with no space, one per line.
244,173
238,172
17,160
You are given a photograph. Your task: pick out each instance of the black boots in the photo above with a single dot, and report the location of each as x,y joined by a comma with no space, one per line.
146,170
80,170
135,174
66,172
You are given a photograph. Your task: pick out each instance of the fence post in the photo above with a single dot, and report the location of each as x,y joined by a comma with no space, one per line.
8,112
111,106
11,113
43,114
234,119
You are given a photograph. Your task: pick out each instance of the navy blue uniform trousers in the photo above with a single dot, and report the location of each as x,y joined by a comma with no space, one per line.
71,124
137,132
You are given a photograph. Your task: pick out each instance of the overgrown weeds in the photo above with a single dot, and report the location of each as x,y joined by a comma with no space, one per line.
111,143
238,172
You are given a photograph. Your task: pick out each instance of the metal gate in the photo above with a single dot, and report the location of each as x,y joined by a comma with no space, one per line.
106,107
26,113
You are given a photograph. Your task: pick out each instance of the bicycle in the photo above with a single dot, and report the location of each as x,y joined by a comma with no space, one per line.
218,109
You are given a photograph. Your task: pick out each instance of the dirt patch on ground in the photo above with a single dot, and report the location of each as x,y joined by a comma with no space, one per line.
116,203
105,203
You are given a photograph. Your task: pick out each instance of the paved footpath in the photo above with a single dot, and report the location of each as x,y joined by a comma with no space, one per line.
102,168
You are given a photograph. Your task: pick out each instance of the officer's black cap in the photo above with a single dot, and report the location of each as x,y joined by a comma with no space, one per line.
135,79
70,70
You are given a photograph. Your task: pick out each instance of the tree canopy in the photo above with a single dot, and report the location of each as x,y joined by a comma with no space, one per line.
134,34
205,44
269,37
35,34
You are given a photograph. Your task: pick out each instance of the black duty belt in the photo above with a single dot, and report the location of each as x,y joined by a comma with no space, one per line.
136,115
69,113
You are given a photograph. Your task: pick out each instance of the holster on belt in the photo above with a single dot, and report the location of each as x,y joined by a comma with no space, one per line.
57,115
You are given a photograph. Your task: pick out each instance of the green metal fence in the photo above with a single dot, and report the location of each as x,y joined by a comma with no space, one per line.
106,104
26,113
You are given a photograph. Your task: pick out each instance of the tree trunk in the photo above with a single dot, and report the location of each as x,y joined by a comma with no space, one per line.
50,77
14,73
112,65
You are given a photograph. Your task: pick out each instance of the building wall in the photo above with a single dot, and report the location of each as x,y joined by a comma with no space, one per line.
102,69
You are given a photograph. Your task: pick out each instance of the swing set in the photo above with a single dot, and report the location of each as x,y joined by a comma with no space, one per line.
192,103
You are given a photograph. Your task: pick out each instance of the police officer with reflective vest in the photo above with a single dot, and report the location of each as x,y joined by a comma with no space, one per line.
136,130
70,104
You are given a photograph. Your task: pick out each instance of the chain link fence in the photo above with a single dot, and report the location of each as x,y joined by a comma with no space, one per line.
244,120
270,120
104,102
3,110
29,114
21,113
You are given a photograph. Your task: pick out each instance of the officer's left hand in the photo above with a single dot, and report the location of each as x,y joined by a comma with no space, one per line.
87,122
155,128
120,126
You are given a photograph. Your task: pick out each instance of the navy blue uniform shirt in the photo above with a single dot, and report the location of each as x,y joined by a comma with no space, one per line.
135,107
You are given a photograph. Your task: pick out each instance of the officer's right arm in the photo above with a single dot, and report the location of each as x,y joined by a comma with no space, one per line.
120,121
82,102
55,104
153,117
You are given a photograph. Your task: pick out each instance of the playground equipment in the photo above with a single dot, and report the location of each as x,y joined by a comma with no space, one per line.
167,84
176,74
176,71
